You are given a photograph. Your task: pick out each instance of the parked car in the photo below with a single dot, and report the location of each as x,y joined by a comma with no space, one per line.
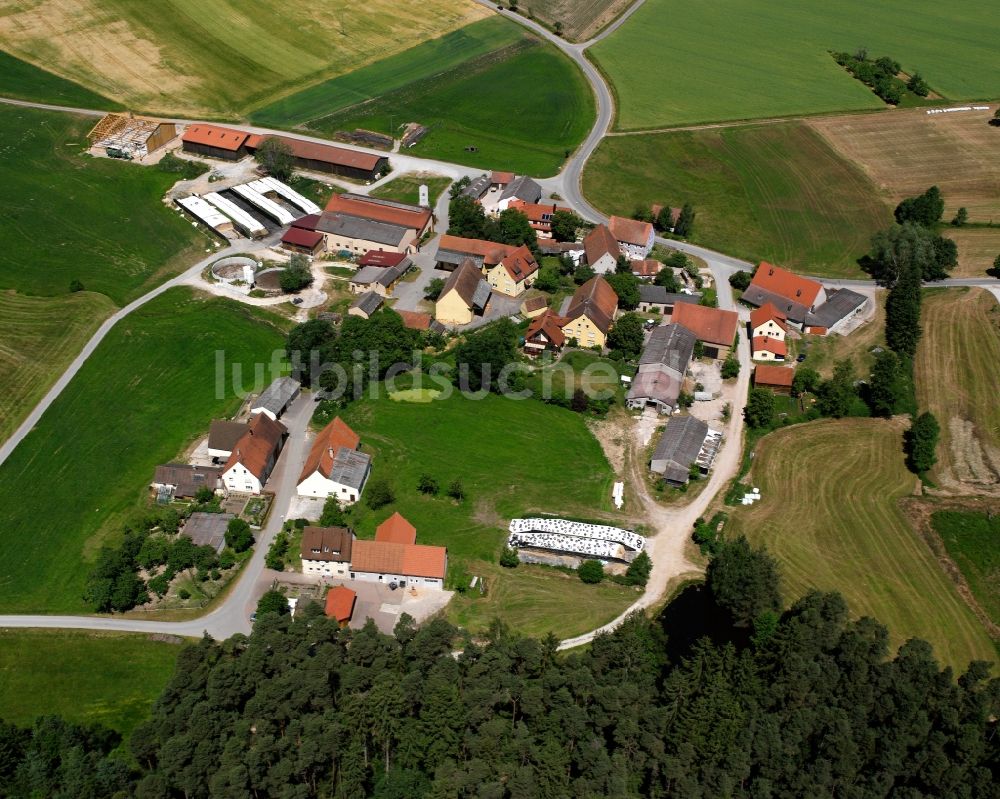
297,301
801,358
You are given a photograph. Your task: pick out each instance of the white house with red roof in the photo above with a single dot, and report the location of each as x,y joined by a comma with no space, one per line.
792,295
768,328
334,466
635,238
254,455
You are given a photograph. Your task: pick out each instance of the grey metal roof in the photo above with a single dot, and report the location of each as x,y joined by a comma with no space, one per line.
223,434
649,292
669,345
481,295
446,256
679,448
350,467
208,529
276,396
839,304
524,188
382,275
354,227
656,383
369,302
478,187
187,479
795,311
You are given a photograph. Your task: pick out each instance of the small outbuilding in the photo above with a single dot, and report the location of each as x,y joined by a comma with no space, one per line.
340,602
276,398
777,378
679,447
365,305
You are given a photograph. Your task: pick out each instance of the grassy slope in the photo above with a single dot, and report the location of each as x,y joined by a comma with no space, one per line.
971,540
67,216
85,677
863,547
222,58
147,391
406,188
39,337
956,375
823,352
24,81
771,59
773,192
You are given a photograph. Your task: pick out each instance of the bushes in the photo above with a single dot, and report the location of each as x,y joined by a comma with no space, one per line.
379,494
920,442
509,558
730,367
297,275
740,280
639,569
238,535
428,485
591,572
879,75
273,602
707,534
184,169
759,410
276,552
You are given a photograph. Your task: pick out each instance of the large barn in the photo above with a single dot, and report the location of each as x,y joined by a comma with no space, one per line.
215,142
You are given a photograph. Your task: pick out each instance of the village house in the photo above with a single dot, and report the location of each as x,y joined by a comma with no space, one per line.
222,437
768,321
515,273
522,189
656,299
662,365
601,250
275,399
766,348
590,312
394,557
793,296
635,238
777,378
464,296
339,604
713,327
326,551
254,455
365,305
681,445
539,215
545,333
334,466
453,250
534,306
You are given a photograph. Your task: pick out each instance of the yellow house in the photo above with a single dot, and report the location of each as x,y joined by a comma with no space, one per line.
516,272
463,297
591,312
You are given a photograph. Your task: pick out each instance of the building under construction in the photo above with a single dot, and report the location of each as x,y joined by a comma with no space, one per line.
129,136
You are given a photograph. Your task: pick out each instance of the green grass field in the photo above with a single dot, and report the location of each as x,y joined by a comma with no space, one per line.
971,540
829,514
221,58
68,216
85,677
774,192
39,337
147,391
675,63
24,81
406,188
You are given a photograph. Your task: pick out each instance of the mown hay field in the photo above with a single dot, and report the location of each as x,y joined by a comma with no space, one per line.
906,151
220,58
581,20
148,390
978,248
830,515
774,192
957,377
85,677
677,63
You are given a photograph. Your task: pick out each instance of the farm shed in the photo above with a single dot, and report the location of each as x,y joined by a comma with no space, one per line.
208,529
679,447
340,604
714,327
777,378
832,316
308,242
327,158
215,142
274,399
180,480
662,366
136,136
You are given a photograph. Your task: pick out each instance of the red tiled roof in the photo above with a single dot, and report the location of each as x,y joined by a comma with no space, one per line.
396,530
710,325
215,136
520,264
770,344
596,300
502,178
551,325
598,242
410,560
381,258
536,212
415,320
340,603
766,375
301,237
648,267
331,438
307,222
354,205
786,284
256,446
631,231
767,312
490,251
326,153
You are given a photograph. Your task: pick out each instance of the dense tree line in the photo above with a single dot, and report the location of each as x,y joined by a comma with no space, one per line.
726,696
880,74
467,218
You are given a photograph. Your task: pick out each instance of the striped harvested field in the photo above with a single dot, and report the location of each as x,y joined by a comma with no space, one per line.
978,247
830,515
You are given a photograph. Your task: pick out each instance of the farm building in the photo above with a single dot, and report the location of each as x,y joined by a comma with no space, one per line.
340,601
545,333
713,327
522,189
416,320
539,215
208,529
453,250
209,215
685,441
328,158
254,455
244,221
656,299
326,550
777,378
464,296
394,557
477,188
515,273
182,481
355,223
793,296
132,136
534,306
833,316
575,539
215,142
222,437
590,312
275,399
307,242
662,366
635,238
571,249
334,466
382,258
647,268
380,279
365,305
601,250
768,348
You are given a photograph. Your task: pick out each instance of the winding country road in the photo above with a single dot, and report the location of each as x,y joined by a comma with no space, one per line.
673,525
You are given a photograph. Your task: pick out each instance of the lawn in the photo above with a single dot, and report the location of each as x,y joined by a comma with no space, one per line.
67,216
406,188
24,81
222,58
40,336
774,192
971,540
956,376
676,63
978,248
85,677
580,19
862,547
148,390
823,352
539,109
